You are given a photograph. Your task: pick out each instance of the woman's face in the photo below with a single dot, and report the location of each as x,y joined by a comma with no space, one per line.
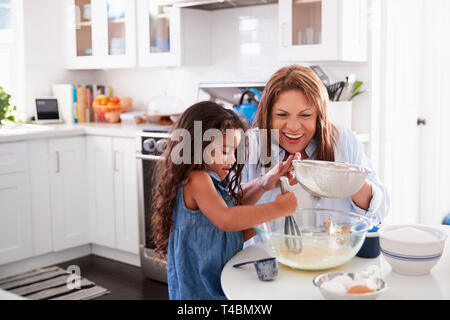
295,119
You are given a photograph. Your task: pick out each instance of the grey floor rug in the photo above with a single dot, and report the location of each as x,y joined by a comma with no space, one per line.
50,284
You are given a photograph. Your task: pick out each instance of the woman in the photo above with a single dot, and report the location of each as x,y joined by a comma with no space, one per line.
295,102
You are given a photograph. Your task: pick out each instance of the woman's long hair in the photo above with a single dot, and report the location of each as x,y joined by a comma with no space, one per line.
297,77
170,175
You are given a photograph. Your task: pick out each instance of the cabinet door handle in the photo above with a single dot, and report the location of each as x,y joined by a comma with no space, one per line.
284,26
57,162
115,162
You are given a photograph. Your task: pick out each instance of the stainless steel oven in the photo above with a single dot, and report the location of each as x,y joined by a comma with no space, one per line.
150,145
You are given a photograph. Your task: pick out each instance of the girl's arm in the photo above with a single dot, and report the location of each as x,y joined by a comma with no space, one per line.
253,190
236,218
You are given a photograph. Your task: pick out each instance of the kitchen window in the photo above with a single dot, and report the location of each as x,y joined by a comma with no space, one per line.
6,45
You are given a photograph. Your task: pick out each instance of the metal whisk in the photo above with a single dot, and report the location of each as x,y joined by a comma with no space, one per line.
294,241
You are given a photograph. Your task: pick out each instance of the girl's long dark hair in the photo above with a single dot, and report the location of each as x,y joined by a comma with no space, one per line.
169,175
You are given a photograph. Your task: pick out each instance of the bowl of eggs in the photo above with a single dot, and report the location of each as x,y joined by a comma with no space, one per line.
349,286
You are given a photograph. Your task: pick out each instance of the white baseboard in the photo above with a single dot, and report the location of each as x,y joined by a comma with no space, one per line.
52,258
118,255
44,260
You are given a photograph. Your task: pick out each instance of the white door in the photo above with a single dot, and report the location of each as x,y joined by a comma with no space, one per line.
435,140
39,165
402,103
68,193
125,193
15,218
416,156
101,190
159,34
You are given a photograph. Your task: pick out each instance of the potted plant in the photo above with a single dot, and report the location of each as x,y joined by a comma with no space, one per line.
7,112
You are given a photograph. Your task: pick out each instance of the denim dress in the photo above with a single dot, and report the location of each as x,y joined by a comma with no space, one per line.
198,250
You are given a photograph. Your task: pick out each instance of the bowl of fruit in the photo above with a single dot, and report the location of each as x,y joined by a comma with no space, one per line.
108,109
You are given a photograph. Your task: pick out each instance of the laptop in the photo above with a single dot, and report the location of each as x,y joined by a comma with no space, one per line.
47,110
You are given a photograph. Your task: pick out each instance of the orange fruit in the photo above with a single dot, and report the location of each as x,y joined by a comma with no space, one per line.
104,101
359,289
115,99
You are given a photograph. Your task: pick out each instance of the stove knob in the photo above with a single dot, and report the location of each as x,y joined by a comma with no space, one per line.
161,145
149,145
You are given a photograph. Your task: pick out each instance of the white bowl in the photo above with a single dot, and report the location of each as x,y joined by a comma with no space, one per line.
412,258
380,286
329,179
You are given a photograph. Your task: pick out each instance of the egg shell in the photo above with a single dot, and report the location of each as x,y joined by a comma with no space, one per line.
333,286
345,280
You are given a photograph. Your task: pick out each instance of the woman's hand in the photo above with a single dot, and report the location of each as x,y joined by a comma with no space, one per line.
287,203
291,172
271,179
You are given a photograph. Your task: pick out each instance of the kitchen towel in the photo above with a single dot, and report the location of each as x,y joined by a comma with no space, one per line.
51,284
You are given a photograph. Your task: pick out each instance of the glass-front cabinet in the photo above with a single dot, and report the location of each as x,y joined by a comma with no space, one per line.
100,34
158,34
323,30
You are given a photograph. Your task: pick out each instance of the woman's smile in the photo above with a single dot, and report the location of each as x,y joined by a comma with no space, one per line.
292,138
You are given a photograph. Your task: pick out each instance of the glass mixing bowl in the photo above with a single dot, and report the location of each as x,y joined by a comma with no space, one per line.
329,238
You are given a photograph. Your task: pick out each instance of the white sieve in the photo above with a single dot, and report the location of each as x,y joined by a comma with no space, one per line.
329,179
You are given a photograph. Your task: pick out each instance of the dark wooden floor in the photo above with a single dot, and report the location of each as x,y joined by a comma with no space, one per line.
126,282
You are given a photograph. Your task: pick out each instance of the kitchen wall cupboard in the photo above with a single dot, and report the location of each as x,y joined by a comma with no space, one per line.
15,213
100,34
171,36
322,30
113,192
103,34
68,196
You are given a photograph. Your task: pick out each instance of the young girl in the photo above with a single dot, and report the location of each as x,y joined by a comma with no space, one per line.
198,222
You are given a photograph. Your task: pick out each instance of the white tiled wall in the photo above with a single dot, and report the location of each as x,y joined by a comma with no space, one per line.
243,48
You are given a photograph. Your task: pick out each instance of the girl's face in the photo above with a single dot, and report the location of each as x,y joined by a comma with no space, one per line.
223,153
295,119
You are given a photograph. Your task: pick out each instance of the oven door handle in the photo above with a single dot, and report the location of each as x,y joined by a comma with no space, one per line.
148,157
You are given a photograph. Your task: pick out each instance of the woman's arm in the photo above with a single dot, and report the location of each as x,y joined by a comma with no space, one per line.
363,197
236,218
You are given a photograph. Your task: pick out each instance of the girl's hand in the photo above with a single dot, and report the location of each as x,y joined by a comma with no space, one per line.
287,203
291,172
271,179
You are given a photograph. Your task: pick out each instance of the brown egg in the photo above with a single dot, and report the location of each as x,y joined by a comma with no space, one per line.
359,289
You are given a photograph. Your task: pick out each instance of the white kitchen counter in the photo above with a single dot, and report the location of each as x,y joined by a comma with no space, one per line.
34,131
243,283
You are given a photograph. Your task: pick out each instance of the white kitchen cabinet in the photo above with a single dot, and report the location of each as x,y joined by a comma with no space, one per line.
100,34
113,192
323,30
68,196
41,217
15,213
15,217
101,190
172,36
126,195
